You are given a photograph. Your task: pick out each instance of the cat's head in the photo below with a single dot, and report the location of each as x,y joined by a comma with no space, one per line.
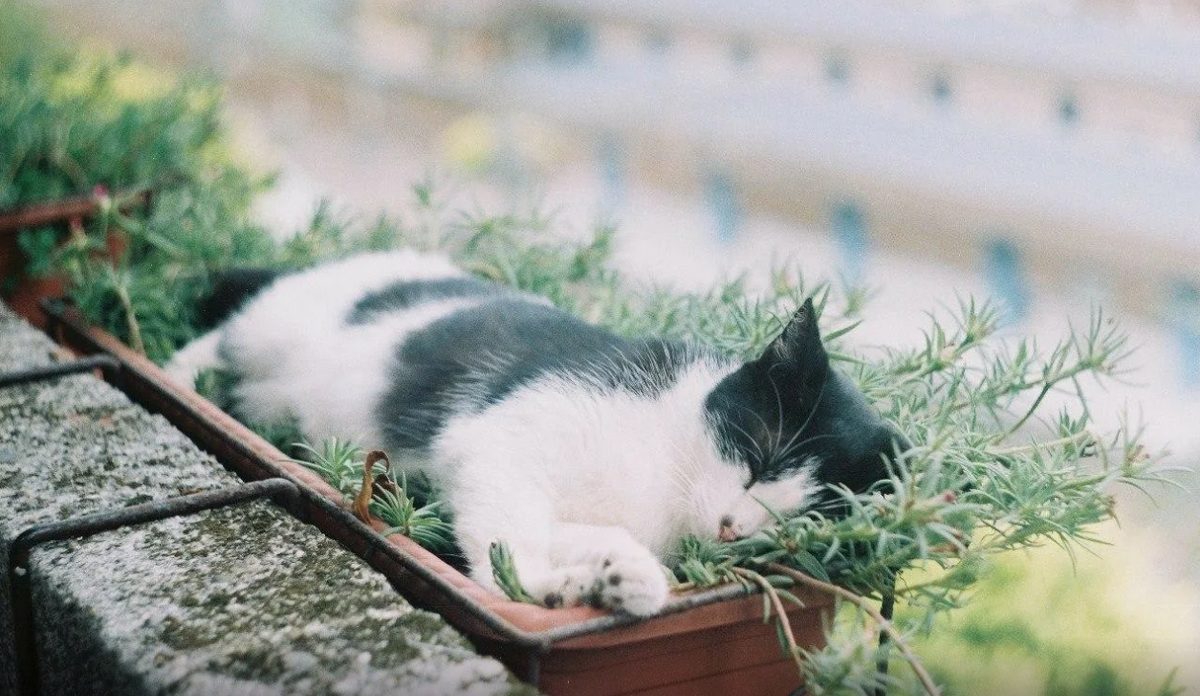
787,424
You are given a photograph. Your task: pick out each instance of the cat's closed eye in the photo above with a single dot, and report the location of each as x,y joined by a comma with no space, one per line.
754,508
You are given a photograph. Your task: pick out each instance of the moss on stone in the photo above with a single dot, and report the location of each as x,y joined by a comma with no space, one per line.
244,600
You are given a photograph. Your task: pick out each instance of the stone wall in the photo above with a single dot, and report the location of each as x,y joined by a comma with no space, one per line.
241,600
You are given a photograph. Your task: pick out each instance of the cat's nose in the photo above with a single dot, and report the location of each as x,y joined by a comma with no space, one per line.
726,532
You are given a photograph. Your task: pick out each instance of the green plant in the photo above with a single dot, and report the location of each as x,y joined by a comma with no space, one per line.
110,129
995,467
425,524
414,512
504,572
339,462
1042,623
22,33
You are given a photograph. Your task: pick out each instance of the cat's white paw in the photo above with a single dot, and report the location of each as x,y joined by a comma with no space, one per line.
633,584
564,587
622,574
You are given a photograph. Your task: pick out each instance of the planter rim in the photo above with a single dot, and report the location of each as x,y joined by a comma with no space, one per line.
60,209
459,599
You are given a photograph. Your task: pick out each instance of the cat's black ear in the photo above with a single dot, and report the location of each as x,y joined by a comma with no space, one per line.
799,344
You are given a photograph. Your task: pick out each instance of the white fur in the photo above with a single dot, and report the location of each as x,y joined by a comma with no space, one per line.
196,356
296,356
589,487
753,509
627,475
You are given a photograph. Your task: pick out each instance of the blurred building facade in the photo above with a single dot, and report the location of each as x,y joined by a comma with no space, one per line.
1049,145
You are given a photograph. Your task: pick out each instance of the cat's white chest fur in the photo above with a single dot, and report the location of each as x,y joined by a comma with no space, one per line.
600,458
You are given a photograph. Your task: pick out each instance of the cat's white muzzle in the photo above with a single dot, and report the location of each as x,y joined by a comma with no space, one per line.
753,509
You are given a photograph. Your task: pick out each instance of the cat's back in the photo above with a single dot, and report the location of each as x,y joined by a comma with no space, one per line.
512,346
387,348
315,345
327,293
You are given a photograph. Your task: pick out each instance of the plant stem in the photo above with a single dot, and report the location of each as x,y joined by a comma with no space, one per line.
780,612
131,321
362,501
885,610
1021,449
862,603
1032,409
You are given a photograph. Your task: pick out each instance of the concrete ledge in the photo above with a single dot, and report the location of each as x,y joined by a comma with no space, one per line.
243,600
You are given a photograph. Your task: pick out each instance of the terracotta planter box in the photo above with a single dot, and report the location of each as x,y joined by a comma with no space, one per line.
24,295
707,643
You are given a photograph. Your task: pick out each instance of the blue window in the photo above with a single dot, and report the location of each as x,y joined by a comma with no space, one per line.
658,41
849,227
1005,275
1183,320
613,174
569,40
1068,109
837,68
940,88
721,198
742,52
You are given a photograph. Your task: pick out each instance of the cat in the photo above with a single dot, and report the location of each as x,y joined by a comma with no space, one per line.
588,454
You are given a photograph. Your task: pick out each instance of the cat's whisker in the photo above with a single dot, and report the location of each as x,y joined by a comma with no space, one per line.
804,426
758,452
786,453
778,404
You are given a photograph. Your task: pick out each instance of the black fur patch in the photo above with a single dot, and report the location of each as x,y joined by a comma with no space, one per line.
776,434
406,294
789,408
229,291
494,348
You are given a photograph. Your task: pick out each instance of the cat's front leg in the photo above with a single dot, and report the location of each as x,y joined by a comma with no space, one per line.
528,538
511,509
609,568
562,564
559,564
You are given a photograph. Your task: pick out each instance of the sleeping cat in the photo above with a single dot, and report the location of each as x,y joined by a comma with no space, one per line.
590,455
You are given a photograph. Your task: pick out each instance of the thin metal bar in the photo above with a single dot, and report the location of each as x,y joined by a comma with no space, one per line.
37,374
95,523
89,525
38,214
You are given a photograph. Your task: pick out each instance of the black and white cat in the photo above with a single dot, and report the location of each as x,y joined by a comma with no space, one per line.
588,454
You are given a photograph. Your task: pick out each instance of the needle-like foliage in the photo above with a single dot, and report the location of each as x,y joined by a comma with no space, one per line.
417,516
112,130
425,524
339,462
